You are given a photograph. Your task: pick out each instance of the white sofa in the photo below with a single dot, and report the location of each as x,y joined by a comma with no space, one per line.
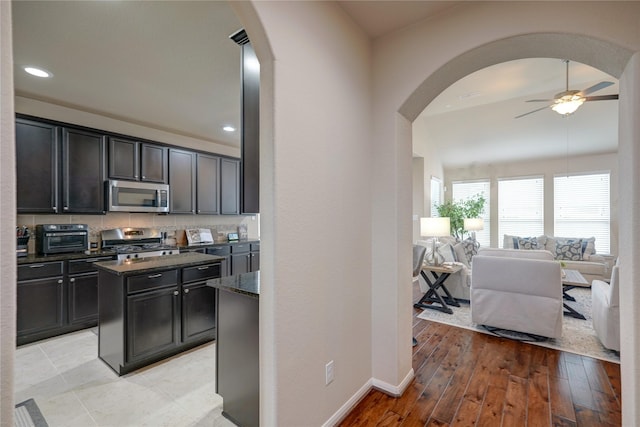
591,265
517,290
605,311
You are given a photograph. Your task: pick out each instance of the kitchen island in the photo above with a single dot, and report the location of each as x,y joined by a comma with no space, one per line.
153,308
237,347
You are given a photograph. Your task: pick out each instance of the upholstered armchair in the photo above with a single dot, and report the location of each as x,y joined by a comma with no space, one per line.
605,310
518,291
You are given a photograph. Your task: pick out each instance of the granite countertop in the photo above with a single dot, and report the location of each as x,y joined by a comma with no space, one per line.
64,256
146,265
245,283
222,243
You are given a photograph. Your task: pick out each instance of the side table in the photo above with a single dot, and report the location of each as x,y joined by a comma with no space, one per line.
432,299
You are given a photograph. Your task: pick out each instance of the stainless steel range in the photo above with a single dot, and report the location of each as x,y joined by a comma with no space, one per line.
131,242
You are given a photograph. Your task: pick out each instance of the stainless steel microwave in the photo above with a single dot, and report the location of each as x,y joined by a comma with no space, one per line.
130,196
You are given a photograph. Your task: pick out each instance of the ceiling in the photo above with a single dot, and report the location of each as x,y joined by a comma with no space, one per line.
171,66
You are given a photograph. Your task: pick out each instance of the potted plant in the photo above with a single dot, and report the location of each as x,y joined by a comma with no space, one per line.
457,211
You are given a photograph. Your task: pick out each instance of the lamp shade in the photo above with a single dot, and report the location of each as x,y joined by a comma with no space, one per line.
435,227
473,224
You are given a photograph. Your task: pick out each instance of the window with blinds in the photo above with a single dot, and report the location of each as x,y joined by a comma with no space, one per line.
520,207
463,190
581,208
436,195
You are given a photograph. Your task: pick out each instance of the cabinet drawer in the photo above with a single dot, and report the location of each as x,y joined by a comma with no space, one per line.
239,248
148,281
201,272
40,270
255,247
86,265
219,250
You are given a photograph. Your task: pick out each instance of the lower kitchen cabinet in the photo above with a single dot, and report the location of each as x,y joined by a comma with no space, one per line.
148,317
55,298
245,258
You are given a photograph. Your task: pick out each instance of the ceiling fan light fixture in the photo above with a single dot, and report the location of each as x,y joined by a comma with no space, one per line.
568,104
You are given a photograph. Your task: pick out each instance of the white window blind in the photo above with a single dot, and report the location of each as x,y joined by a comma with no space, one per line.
436,195
520,207
581,208
464,190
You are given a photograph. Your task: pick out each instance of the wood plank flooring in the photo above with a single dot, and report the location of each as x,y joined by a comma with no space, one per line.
466,378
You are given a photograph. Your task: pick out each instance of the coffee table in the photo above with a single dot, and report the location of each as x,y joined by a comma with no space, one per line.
570,280
432,299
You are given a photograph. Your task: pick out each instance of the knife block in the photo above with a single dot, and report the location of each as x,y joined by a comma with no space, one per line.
21,246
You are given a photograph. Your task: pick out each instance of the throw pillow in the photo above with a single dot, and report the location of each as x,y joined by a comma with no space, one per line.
460,255
526,243
570,250
447,252
470,247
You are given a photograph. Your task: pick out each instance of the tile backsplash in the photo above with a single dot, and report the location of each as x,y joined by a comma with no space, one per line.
174,225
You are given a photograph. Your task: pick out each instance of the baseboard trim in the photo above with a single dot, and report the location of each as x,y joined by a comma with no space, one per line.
395,391
341,413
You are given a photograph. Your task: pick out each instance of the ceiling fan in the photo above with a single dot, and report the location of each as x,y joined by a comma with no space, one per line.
567,102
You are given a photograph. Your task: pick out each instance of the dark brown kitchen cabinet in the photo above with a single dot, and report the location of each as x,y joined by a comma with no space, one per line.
83,171
137,161
222,251
182,181
148,317
245,258
56,297
37,166
153,324
229,187
208,182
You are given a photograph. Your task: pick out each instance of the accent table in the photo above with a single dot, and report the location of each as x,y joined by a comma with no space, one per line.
571,279
432,299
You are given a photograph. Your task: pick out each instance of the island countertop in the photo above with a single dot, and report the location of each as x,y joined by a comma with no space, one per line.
245,283
146,265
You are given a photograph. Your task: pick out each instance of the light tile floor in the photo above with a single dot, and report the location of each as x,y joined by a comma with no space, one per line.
72,387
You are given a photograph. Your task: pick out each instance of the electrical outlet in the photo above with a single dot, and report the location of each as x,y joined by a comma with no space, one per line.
329,374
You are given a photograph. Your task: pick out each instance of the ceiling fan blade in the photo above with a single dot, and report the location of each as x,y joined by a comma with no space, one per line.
531,112
539,100
596,87
601,97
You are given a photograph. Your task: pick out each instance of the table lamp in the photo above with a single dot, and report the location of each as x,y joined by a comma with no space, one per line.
435,227
473,225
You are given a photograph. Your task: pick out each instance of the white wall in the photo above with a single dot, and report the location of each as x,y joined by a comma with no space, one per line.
547,168
7,219
315,300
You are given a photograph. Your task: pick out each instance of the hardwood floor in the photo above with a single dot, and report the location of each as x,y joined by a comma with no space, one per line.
466,378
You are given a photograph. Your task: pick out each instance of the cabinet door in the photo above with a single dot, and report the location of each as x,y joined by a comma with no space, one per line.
154,163
39,305
83,298
83,171
182,181
37,173
153,323
255,261
229,187
198,311
208,184
123,159
240,263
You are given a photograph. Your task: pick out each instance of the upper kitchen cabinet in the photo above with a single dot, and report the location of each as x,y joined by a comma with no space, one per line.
83,171
37,152
137,161
250,167
229,187
182,181
208,183
59,170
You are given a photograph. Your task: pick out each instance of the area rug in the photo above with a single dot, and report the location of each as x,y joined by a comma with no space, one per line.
577,337
27,414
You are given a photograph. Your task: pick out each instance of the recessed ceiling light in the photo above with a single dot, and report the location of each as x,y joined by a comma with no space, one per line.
38,72
228,129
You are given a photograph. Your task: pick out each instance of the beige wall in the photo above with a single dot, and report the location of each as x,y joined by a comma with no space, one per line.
7,220
315,302
547,168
